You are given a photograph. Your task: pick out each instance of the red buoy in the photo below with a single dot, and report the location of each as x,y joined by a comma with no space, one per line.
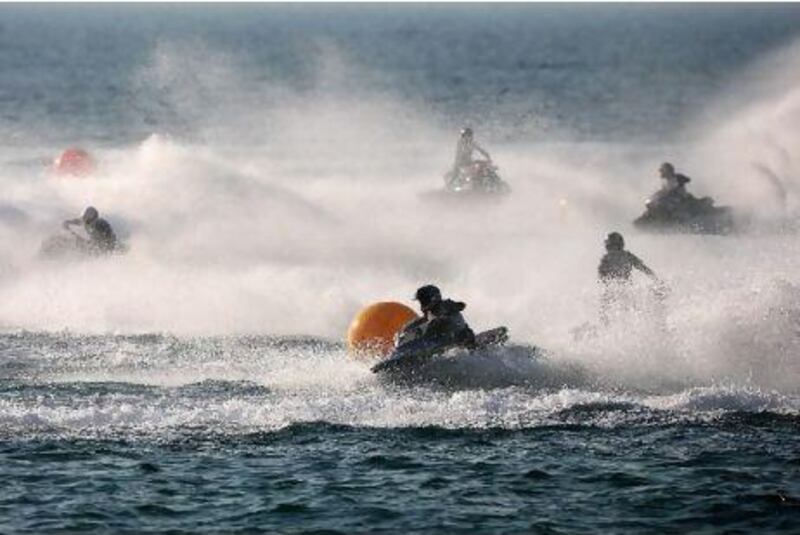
74,162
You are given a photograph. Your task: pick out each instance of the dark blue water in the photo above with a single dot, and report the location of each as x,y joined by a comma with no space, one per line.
264,163
567,477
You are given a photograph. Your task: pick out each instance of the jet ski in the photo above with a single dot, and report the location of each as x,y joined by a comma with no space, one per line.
480,182
69,245
691,216
411,356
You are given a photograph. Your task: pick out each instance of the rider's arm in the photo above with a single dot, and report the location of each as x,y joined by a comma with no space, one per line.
641,266
481,150
68,222
414,324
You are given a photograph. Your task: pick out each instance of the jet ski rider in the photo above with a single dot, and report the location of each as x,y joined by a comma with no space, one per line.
617,264
673,196
465,148
441,320
102,239
615,271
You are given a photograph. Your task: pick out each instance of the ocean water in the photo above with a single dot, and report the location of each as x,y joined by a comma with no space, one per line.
268,166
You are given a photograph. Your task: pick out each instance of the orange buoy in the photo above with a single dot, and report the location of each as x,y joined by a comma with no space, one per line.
74,162
372,331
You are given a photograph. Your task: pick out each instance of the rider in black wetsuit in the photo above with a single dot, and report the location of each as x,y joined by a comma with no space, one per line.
615,271
617,264
673,198
441,320
102,239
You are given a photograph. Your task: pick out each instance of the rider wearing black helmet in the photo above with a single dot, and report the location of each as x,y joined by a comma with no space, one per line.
101,236
441,319
617,264
615,271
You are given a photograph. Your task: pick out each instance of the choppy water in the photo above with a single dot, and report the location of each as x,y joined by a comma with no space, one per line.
266,164
156,433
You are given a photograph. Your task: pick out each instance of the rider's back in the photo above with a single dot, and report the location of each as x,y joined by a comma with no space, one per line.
444,322
447,322
616,266
101,235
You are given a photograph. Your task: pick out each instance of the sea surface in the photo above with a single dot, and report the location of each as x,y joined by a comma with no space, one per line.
270,168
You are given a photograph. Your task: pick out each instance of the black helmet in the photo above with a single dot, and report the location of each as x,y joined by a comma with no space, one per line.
428,295
466,132
90,214
615,241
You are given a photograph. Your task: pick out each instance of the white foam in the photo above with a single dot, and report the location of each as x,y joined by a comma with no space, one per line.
291,232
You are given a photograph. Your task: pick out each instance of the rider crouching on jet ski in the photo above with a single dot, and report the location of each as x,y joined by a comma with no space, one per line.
102,239
672,196
441,320
674,208
465,148
673,199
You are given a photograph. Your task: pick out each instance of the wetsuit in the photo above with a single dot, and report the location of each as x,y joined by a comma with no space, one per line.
443,321
617,266
101,236
674,201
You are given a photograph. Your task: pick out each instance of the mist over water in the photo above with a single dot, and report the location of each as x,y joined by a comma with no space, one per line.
286,211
